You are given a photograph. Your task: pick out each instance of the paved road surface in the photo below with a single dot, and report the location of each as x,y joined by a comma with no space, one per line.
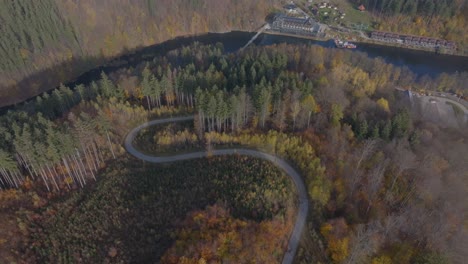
290,171
449,100
445,97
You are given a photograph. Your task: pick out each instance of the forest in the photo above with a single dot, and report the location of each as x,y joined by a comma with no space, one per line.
445,19
49,38
63,38
131,211
429,8
386,185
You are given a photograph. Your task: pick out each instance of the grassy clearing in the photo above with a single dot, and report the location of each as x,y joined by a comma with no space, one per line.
159,140
353,16
155,139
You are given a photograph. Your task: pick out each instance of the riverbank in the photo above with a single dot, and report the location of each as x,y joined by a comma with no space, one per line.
420,62
109,64
361,40
403,46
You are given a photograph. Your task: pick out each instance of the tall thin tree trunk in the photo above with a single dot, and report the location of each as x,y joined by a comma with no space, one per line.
1,180
92,173
32,166
110,144
75,170
80,160
65,163
21,161
7,177
44,178
80,169
148,101
29,165
89,158
18,178
53,177
202,121
96,154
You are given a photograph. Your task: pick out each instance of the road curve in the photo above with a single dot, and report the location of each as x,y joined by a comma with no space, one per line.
290,171
445,97
449,100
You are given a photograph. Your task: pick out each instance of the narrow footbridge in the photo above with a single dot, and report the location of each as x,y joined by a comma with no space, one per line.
260,31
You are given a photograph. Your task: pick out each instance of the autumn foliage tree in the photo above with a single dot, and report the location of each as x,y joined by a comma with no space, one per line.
213,235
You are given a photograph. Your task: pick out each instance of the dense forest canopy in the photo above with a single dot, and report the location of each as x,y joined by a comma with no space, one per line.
385,183
386,178
444,8
62,38
31,27
229,92
446,19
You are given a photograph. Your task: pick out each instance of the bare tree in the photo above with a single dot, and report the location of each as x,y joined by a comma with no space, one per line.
364,243
457,246
390,226
362,154
404,159
374,182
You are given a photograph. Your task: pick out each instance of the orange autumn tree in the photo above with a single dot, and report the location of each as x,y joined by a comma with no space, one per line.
213,235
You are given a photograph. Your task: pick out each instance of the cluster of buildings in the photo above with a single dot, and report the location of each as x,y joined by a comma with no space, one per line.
410,40
296,21
296,25
291,9
326,5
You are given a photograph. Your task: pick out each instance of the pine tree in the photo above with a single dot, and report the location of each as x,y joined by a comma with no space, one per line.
145,85
107,88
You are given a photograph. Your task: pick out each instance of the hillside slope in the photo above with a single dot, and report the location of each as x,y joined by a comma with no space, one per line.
61,38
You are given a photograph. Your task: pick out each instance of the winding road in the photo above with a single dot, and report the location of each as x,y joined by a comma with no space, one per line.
290,171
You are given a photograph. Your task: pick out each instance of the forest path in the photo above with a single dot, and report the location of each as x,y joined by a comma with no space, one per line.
290,171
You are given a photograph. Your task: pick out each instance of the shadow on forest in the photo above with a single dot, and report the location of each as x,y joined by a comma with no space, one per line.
48,79
45,80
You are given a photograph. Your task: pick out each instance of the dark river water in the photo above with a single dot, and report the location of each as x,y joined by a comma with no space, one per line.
420,62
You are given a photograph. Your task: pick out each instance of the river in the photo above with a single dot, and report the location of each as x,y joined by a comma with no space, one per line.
420,62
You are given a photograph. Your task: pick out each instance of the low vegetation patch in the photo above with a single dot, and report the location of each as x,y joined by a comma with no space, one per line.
168,139
131,214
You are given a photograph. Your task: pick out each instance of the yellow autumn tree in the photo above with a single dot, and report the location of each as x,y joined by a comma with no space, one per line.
383,104
338,249
310,106
335,232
